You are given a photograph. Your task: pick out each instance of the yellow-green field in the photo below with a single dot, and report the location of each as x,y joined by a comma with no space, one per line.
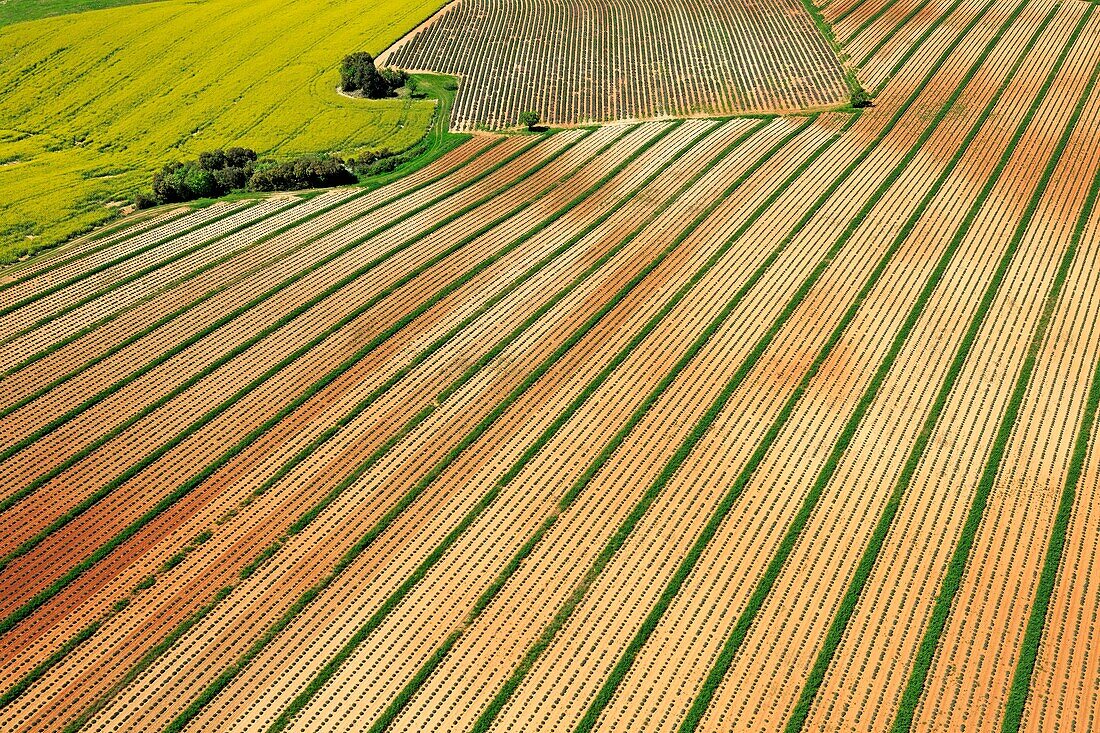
91,104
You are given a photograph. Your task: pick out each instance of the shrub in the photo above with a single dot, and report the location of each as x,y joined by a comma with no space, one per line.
359,74
143,200
861,99
530,118
214,173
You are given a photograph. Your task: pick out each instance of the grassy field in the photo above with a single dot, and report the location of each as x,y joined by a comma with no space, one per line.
92,103
18,11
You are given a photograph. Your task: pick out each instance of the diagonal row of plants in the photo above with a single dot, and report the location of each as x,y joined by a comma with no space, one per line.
756,601
686,567
150,458
606,453
470,439
205,218
867,562
263,297
251,237
339,219
106,238
956,567
443,341
207,239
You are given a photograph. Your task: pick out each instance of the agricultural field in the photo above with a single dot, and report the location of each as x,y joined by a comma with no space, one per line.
92,103
771,422
588,61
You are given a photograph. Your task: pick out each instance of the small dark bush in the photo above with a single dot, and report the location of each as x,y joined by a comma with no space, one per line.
359,74
143,200
530,118
861,99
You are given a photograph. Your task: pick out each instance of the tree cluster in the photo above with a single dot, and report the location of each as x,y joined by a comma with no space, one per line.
359,74
218,172
214,173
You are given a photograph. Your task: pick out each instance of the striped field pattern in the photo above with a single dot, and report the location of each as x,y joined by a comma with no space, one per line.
769,423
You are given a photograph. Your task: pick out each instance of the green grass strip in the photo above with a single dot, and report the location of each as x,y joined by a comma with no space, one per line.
107,290
7,623
6,503
740,631
8,309
949,588
398,595
618,673
213,292
826,31
1033,636
223,680
271,549
140,227
869,558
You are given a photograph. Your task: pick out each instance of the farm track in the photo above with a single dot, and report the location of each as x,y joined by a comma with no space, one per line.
776,423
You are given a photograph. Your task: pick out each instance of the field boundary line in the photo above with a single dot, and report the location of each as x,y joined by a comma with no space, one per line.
869,559
7,623
914,689
376,619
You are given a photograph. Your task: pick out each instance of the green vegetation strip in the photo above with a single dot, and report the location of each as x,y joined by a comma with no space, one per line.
148,460
212,690
300,524
59,260
949,588
6,503
740,631
1025,666
230,211
398,595
826,31
108,290
870,556
618,673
